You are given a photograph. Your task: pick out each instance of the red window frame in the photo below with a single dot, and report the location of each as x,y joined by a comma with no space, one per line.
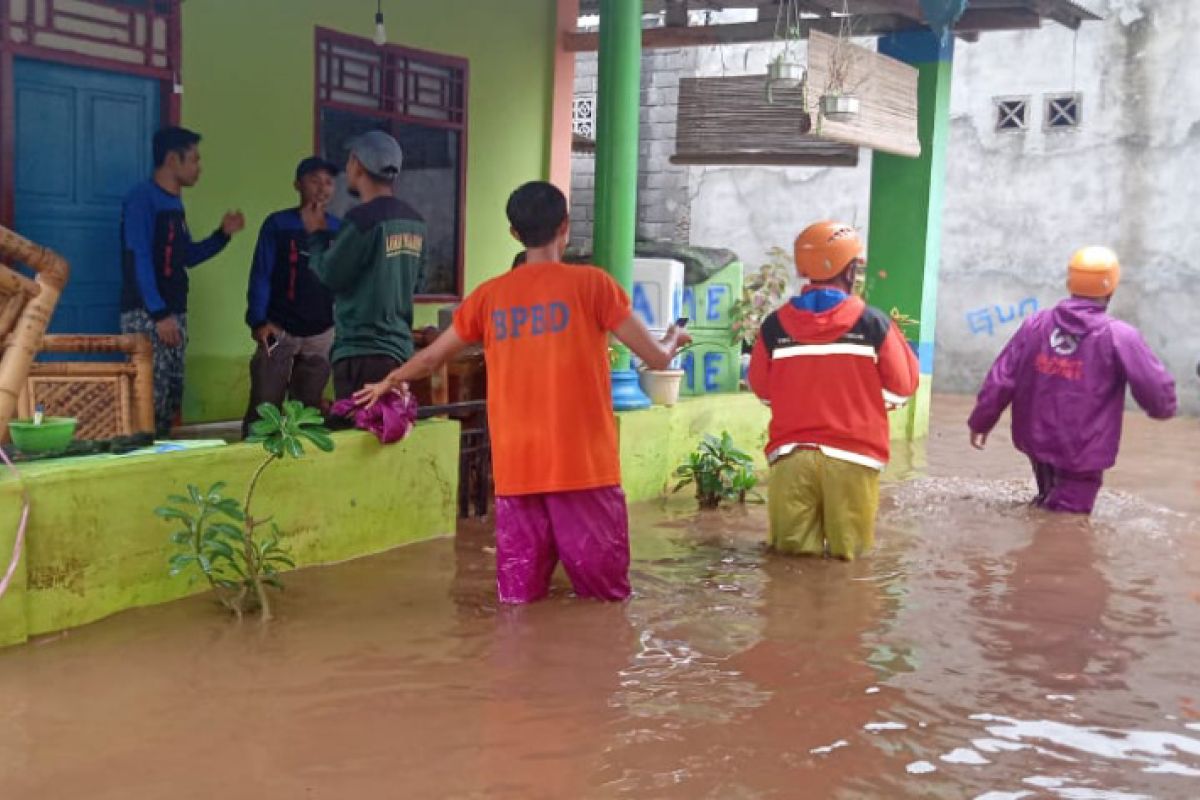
168,74
392,102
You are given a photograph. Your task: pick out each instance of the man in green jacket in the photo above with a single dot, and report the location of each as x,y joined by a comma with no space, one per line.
373,268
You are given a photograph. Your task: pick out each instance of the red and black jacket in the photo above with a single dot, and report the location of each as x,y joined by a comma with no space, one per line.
829,376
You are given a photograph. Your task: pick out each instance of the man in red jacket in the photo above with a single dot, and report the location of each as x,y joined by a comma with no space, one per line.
830,367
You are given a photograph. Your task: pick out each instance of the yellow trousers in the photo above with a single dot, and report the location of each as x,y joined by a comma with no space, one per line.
822,506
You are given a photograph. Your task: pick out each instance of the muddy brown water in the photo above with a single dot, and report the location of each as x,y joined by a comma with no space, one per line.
984,650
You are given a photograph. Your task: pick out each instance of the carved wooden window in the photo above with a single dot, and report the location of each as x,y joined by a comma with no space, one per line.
141,34
421,99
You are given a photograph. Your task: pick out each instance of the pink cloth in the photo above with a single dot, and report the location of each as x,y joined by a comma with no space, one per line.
588,530
391,419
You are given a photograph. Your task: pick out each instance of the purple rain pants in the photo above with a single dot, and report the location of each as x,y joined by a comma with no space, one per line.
588,530
1064,491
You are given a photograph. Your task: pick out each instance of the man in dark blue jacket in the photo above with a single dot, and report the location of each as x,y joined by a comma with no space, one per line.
157,251
289,311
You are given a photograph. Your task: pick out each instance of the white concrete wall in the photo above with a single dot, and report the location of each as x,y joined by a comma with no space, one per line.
1017,205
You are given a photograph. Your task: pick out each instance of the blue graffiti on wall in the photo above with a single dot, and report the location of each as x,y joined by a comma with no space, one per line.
988,318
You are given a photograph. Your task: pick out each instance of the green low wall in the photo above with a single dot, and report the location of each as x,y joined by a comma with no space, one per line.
93,546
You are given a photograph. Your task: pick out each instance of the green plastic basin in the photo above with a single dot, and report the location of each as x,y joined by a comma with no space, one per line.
53,436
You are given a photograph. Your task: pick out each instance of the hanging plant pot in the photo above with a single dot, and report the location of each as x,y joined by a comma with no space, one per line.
839,106
783,75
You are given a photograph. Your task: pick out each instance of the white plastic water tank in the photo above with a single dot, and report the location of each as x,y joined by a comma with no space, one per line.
657,291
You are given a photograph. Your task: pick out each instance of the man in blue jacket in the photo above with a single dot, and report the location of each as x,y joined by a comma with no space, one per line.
157,251
289,311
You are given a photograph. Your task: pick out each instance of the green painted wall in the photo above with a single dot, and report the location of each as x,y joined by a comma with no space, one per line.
248,77
95,548
657,440
912,421
904,253
13,627
906,211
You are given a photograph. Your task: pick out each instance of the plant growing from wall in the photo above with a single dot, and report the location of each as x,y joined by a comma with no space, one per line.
221,537
903,321
719,471
762,293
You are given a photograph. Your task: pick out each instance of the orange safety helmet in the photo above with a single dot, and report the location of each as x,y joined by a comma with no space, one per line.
825,249
1094,272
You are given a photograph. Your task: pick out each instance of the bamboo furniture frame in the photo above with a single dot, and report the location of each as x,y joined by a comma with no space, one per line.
26,306
109,399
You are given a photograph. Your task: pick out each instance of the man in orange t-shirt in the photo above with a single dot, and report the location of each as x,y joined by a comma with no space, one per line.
544,329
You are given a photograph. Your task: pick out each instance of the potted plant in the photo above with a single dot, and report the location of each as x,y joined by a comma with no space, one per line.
661,385
719,471
840,100
763,292
837,106
785,70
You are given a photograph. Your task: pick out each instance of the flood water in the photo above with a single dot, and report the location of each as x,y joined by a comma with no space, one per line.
985,650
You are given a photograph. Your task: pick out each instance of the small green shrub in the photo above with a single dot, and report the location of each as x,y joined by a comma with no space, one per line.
719,471
218,534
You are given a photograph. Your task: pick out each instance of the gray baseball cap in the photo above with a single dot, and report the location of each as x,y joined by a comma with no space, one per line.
379,154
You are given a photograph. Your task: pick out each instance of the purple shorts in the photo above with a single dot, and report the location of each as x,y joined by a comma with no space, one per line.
588,530
1064,491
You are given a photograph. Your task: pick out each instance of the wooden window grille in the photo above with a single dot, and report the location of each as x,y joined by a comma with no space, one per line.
138,34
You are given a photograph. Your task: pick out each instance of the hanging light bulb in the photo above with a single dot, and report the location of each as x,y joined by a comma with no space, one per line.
380,31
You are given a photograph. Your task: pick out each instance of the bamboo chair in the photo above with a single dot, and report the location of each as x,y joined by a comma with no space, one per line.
26,306
109,399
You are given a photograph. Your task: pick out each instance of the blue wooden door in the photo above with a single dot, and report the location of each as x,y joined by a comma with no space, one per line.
82,141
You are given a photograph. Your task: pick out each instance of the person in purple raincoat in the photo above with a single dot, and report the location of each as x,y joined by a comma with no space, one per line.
1065,373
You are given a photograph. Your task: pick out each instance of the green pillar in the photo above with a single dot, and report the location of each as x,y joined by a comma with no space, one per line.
617,132
906,215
